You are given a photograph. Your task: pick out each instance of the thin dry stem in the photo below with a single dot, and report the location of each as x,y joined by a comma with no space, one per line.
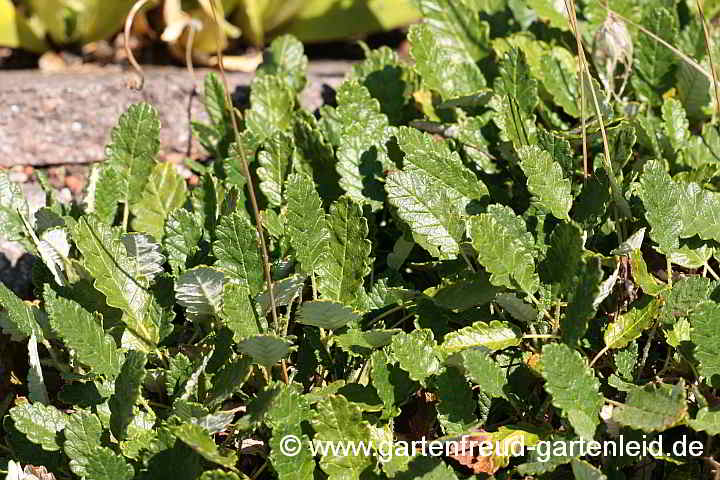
140,80
191,69
246,168
570,6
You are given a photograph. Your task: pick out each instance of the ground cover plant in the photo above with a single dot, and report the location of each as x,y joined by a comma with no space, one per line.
509,238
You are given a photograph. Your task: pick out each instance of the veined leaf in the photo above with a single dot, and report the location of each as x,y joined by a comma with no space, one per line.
706,420
325,314
82,332
105,464
164,191
455,405
306,222
586,471
271,106
183,231
237,251
415,353
12,208
285,58
361,153
644,279
516,82
434,159
20,319
342,270
652,61
660,197
40,423
197,438
561,81
200,290
238,312
82,437
452,35
458,79
338,420
676,123
144,255
134,143
128,386
105,257
360,342
653,409
499,238
573,387
495,335
629,326
435,218
484,372
705,321
275,161
545,181
266,350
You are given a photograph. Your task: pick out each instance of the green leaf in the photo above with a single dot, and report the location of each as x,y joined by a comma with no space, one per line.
516,82
545,181
326,314
297,467
455,405
164,192
12,209
103,191
105,257
561,81
653,409
642,277
361,154
454,36
266,350
40,423
501,240
495,335
660,197
134,144
585,471
285,58
144,256
676,124
215,102
484,372
573,387
554,12
393,385
238,312
105,464
197,438
693,90
357,342
685,296
83,332
653,62
20,319
128,386
219,475
517,308
433,158
228,380
271,107
178,372
82,437
200,290
458,79
237,251
629,326
306,224
434,217
275,161
348,259
706,420
415,353
338,420
183,231
705,320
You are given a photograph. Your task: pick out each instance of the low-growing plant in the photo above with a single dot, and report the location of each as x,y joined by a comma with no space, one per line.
460,246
